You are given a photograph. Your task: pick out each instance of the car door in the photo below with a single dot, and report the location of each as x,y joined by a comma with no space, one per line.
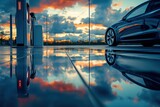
133,23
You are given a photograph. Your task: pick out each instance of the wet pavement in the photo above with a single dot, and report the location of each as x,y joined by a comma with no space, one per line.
98,76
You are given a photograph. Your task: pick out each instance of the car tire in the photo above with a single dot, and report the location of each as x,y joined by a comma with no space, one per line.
110,37
110,57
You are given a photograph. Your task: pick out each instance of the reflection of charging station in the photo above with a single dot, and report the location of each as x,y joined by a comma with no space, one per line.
24,72
28,34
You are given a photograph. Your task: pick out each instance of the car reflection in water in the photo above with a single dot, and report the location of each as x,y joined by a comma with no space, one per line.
25,71
141,69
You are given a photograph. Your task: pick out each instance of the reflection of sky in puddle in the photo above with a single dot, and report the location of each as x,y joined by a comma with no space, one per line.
110,86
56,82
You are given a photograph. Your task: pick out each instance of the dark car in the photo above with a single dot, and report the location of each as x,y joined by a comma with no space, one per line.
140,25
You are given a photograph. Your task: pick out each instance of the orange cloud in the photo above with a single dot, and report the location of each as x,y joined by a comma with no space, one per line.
47,23
91,6
24,101
46,67
56,4
93,63
117,4
7,25
117,86
98,52
129,8
59,85
86,25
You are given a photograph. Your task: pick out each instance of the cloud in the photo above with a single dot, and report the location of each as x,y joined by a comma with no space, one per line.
40,5
8,6
4,18
91,24
103,87
59,86
117,4
117,86
102,79
101,2
1,28
109,17
53,95
71,37
44,94
37,6
92,64
98,31
71,18
100,11
104,14
61,25
83,36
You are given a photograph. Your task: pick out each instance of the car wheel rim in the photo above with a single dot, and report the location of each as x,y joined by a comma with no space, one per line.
110,56
110,37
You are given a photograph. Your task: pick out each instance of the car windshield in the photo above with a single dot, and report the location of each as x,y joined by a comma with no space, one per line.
138,11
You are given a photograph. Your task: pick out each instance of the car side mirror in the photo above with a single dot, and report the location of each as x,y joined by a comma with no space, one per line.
124,18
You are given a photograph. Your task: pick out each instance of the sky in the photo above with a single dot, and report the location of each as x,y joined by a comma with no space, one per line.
68,19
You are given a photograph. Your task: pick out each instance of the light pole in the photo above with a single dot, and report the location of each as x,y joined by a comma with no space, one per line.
46,30
11,44
89,39
89,2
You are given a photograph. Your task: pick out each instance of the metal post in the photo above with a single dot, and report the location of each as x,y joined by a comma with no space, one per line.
89,41
11,44
89,22
46,32
11,32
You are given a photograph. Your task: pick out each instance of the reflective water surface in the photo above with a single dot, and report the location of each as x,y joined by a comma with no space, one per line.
79,77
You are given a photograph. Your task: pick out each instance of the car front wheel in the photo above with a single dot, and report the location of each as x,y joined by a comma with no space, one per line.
110,57
110,37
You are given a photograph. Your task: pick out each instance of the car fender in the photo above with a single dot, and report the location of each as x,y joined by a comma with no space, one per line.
106,32
116,33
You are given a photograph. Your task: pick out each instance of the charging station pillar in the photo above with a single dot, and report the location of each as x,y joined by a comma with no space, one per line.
22,23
